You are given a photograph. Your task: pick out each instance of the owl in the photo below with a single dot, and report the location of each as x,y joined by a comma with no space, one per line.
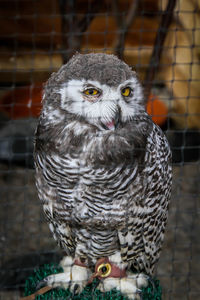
103,175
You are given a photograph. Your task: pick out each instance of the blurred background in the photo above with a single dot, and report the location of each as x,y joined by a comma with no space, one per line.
160,39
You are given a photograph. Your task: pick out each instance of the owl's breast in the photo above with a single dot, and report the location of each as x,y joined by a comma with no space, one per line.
103,193
89,193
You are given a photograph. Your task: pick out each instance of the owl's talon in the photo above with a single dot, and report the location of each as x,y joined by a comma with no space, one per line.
139,293
76,289
42,283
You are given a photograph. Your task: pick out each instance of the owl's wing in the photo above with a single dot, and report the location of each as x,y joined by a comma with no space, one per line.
142,236
54,189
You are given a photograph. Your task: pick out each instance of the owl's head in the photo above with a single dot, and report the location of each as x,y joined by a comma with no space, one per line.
100,88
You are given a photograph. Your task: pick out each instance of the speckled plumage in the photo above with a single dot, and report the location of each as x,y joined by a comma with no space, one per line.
103,168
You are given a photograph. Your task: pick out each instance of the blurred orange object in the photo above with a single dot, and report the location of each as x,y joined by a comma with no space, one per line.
22,102
157,110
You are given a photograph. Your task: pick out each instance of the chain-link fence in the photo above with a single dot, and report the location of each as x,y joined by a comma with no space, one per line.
161,41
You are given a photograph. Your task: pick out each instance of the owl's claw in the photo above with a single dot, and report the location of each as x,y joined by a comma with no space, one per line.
76,289
41,284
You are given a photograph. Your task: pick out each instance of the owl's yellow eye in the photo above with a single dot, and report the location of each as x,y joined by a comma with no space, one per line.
126,92
91,92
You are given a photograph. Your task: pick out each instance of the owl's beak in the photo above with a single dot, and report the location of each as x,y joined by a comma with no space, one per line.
117,118
112,125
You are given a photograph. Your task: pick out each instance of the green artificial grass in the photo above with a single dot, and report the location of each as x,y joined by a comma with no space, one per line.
152,292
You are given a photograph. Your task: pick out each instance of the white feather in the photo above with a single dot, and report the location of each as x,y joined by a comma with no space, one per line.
103,108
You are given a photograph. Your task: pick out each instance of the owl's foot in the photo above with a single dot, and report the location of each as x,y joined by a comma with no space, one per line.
74,277
112,273
130,286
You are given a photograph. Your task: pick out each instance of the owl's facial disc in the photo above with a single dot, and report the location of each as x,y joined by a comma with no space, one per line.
102,105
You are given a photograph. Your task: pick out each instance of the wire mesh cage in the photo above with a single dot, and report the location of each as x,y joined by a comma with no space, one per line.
161,41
